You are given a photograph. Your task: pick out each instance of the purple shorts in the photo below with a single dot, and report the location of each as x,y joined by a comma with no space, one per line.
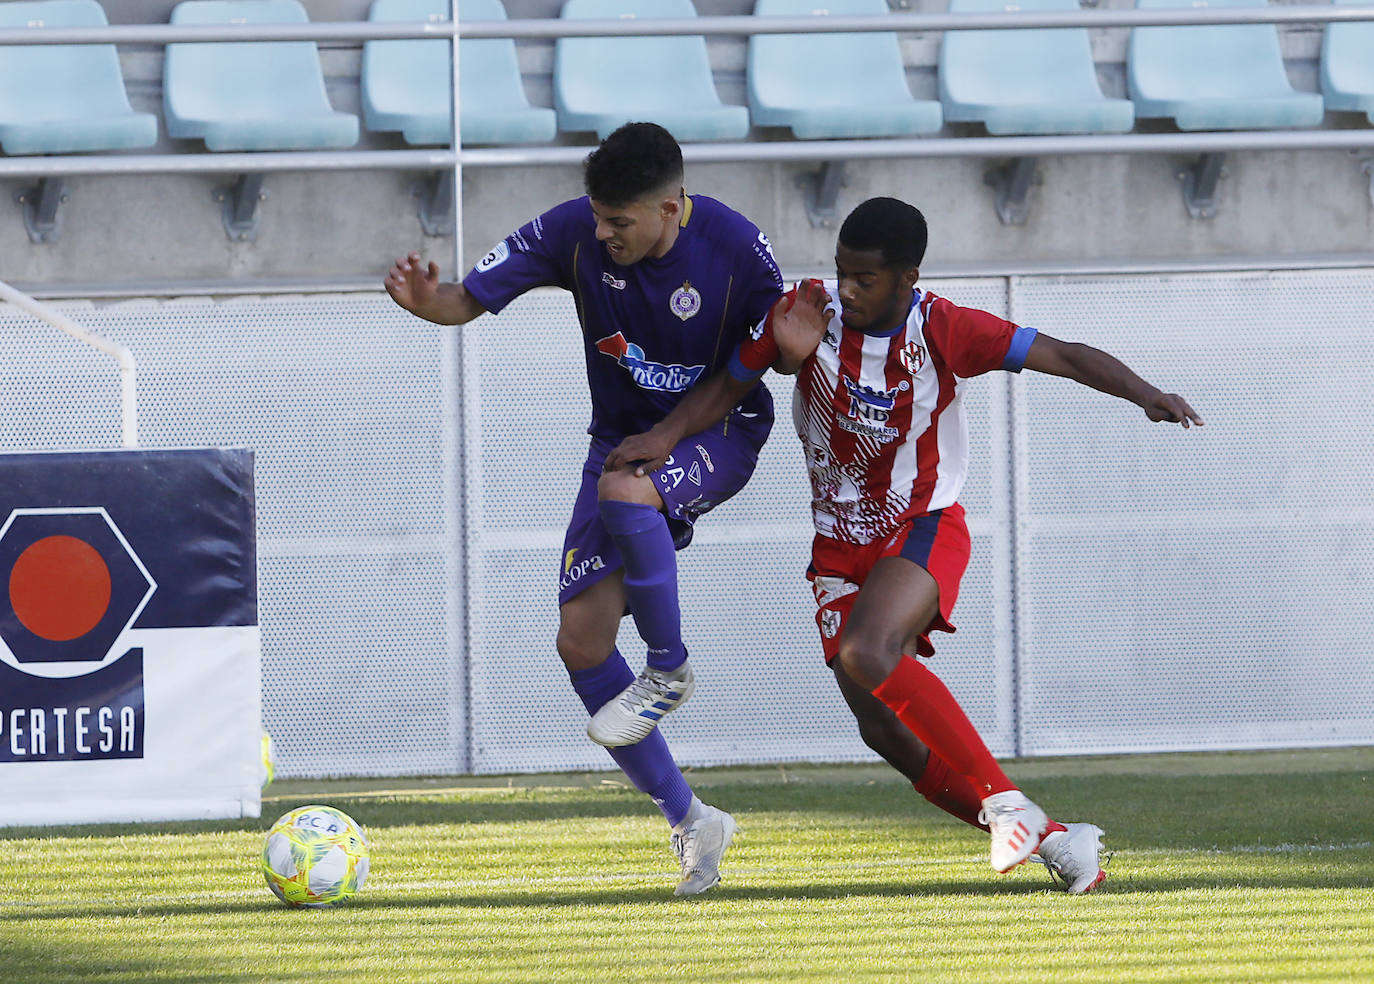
703,471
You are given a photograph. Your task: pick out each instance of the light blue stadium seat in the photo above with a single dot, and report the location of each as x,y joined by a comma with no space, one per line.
833,85
407,85
1025,81
250,95
1348,65
601,83
1214,76
56,99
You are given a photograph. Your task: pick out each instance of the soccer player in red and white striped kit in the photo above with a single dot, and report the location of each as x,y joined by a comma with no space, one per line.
880,366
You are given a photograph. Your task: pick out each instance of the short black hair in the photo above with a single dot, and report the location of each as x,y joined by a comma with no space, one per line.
636,160
890,227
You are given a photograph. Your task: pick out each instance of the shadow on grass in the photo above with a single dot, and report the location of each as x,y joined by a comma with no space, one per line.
1138,812
508,897
867,802
26,963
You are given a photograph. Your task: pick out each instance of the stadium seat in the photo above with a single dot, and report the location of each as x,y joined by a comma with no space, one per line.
601,83
1214,76
1027,81
833,85
250,95
407,85
57,99
1348,65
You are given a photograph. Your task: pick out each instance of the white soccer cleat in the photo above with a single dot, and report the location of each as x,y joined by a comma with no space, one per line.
1017,826
700,842
1074,857
628,718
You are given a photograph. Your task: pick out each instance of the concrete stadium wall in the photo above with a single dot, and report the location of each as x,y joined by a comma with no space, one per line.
332,227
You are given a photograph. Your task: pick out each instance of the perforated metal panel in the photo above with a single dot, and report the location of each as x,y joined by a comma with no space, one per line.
348,403
1211,588
1133,587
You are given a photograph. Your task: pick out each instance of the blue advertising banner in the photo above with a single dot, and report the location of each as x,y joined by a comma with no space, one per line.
129,646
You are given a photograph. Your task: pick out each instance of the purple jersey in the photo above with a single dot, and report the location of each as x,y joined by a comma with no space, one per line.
652,329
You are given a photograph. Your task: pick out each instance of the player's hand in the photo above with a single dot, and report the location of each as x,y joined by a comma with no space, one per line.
645,452
799,318
413,285
1172,408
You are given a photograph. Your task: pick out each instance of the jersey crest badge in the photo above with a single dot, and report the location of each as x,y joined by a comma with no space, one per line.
685,302
830,623
913,357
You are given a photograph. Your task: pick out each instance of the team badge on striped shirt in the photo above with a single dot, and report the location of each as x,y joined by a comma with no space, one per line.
913,357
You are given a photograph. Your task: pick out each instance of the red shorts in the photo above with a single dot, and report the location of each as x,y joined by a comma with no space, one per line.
937,541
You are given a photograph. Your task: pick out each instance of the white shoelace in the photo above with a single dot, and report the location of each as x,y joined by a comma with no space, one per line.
644,689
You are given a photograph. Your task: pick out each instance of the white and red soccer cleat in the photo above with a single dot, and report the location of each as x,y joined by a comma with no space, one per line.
1017,826
1074,857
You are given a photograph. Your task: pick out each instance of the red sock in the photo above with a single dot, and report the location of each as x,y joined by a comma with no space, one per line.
925,705
950,791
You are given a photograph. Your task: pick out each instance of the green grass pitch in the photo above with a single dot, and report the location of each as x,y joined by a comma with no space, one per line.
1237,867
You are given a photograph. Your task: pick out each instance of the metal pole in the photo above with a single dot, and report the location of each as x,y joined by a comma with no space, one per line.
457,145
455,433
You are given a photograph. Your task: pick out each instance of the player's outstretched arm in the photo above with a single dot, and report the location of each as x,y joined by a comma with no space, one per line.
702,406
1093,367
417,288
798,324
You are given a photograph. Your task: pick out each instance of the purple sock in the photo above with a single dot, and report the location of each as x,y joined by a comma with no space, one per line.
648,764
646,545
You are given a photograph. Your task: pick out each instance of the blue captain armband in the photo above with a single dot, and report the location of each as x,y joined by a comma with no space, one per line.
741,372
1015,359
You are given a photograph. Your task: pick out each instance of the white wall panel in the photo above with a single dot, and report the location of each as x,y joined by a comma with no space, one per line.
1205,589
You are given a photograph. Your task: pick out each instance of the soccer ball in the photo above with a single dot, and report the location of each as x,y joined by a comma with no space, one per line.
315,856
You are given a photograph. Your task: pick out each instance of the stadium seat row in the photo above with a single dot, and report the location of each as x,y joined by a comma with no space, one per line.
239,96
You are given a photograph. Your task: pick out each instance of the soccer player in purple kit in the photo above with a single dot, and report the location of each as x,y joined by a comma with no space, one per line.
667,286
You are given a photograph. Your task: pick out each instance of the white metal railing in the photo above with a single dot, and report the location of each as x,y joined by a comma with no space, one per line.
128,369
741,25
703,153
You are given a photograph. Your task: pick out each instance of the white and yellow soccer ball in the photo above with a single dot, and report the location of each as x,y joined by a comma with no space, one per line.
315,856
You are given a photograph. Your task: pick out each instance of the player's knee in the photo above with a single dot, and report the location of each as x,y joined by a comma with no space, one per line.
869,660
625,486
578,650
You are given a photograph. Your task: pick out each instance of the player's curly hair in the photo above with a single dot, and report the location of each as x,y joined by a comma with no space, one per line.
636,160
888,226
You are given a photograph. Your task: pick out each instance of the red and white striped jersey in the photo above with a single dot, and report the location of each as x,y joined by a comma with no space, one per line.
879,416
